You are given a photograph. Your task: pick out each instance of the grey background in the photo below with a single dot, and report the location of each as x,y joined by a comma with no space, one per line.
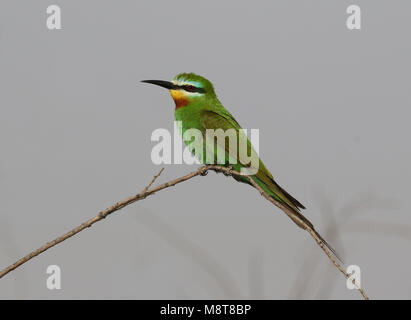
332,106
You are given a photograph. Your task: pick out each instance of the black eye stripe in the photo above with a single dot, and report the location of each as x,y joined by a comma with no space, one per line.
191,88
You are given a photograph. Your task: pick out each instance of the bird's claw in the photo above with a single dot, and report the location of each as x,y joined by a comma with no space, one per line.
204,173
229,171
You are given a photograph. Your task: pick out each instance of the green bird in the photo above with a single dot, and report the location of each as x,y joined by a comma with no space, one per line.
197,106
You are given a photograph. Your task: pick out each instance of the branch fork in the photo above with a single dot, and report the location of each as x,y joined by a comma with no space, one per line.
149,190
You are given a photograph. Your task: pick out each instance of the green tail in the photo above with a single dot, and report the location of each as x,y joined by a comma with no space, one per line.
279,194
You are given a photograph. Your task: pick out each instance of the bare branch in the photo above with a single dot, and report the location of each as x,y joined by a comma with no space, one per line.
101,215
299,220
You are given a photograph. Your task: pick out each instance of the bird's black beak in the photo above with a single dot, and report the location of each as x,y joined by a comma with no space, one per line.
165,84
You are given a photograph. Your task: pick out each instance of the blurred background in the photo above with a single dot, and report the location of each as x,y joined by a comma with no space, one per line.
332,106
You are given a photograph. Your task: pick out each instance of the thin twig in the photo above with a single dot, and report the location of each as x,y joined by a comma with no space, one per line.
152,181
101,215
301,221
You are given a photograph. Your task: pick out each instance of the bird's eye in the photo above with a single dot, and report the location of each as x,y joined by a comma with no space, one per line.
190,88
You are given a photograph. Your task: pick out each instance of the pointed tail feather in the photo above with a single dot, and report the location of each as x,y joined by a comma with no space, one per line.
308,222
329,247
290,198
296,211
279,194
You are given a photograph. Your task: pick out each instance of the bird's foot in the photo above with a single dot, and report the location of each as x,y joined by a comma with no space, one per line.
228,172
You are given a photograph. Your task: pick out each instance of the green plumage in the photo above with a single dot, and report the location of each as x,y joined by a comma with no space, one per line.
204,111
197,107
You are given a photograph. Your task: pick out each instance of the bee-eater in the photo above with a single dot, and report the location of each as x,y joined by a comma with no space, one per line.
197,106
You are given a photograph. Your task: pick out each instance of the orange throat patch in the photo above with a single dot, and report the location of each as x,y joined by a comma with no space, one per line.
179,98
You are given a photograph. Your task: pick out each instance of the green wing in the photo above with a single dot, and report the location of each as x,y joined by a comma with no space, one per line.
225,121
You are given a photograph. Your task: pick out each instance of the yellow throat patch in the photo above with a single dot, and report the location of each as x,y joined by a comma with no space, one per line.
179,97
